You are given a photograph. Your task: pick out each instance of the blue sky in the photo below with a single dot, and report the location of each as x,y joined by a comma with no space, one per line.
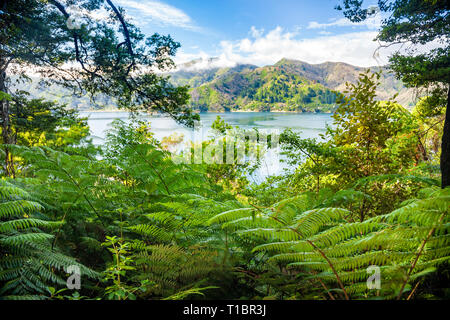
260,32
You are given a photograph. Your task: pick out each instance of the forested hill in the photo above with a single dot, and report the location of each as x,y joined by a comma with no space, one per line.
289,85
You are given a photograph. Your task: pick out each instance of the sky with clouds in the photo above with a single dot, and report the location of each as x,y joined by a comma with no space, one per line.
259,32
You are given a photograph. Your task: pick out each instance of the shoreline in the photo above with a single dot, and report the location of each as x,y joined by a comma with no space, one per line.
205,112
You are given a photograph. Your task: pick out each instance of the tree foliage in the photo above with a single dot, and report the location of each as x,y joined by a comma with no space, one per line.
418,22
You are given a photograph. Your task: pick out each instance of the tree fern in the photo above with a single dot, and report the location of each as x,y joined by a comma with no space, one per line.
406,243
28,264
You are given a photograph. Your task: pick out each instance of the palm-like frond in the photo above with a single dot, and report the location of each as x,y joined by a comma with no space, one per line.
406,243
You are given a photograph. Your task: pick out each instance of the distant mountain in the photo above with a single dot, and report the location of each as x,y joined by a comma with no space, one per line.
334,75
55,92
288,85
195,77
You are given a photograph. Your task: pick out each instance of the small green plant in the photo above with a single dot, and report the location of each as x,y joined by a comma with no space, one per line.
116,272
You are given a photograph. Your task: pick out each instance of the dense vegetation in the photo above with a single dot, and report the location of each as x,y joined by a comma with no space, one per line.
142,226
138,223
261,89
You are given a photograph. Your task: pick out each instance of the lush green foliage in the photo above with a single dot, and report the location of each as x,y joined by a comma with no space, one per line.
306,236
141,223
418,22
29,262
153,227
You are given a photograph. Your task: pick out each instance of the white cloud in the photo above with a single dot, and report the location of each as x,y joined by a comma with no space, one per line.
338,23
160,13
356,48
256,33
203,60
372,23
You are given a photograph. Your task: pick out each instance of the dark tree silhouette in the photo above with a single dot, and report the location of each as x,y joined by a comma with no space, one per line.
65,44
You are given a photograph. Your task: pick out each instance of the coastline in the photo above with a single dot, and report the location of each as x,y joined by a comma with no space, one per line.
203,112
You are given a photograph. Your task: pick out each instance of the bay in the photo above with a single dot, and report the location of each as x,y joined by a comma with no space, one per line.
311,125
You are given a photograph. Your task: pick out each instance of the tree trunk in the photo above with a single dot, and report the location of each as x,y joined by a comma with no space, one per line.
8,166
445,148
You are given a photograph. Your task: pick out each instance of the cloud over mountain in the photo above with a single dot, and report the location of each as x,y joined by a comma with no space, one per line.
263,48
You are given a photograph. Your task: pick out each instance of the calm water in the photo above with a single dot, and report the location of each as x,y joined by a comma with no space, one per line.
309,124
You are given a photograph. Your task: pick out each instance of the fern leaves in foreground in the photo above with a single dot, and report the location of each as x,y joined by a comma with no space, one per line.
28,263
407,243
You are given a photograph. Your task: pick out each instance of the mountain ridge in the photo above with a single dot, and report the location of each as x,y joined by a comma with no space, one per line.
288,85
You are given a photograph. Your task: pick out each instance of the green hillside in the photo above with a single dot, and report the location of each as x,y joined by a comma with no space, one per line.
289,85
259,89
